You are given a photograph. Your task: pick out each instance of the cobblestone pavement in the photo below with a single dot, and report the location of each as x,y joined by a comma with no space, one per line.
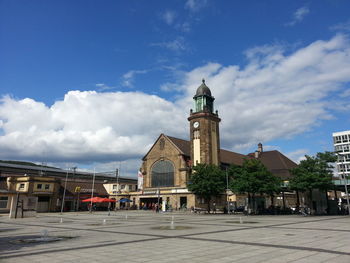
144,236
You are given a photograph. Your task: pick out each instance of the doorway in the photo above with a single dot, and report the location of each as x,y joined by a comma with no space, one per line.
183,202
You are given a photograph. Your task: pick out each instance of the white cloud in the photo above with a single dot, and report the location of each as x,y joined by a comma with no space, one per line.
298,155
195,5
86,125
168,17
341,27
274,96
103,87
177,44
298,15
128,78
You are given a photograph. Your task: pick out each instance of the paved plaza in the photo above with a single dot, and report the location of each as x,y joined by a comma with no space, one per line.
144,236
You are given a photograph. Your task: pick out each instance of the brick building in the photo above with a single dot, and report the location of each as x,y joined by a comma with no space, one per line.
167,165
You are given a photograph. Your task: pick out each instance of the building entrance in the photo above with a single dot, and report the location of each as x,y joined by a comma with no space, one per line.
183,202
149,203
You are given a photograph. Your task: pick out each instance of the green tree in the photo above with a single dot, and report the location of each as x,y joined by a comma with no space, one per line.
253,178
207,181
315,172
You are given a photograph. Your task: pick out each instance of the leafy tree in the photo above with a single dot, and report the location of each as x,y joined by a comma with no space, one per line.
207,181
253,178
315,172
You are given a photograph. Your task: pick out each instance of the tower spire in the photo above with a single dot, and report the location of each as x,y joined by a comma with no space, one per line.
204,128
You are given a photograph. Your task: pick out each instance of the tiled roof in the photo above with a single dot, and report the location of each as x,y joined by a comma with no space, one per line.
277,163
183,145
228,157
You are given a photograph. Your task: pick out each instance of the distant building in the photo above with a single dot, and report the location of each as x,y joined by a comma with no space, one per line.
341,141
41,188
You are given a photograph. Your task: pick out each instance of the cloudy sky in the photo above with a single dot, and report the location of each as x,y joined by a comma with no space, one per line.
94,83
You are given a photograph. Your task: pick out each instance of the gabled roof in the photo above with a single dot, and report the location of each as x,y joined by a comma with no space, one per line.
183,145
277,163
228,157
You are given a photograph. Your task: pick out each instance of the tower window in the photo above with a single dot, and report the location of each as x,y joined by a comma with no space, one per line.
162,174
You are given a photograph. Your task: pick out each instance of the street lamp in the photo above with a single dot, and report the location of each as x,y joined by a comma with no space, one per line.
92,190
65,186
342,161
227,199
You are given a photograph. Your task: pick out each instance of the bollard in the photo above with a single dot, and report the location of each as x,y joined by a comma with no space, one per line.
240,220
172,226
61,221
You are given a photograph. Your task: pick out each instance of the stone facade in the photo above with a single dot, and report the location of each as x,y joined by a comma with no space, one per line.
208,135
165,149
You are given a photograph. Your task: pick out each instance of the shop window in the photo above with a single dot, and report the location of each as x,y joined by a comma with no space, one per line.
3,201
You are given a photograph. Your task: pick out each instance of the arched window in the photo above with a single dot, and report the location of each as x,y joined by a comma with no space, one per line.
163,174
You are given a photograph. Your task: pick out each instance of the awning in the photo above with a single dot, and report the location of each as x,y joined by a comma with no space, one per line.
84,188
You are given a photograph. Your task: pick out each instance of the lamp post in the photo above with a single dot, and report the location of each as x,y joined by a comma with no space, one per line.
64,192
92,190
227,199
157,210
342,160
65,186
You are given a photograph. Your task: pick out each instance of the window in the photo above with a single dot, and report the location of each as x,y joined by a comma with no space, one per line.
21,186
337,139
162,174
122,186
347,157
114,187
345,138
47,186
3,201
39,186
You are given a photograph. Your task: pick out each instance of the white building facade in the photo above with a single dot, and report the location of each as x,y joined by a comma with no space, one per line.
341,141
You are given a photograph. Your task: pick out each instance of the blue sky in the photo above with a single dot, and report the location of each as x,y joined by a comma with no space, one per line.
93,83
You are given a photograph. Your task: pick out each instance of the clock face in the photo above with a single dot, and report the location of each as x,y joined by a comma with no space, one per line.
196,124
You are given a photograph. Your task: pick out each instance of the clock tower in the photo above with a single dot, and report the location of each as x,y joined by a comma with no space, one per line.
204,128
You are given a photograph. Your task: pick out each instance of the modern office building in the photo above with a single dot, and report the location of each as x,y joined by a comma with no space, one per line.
341,142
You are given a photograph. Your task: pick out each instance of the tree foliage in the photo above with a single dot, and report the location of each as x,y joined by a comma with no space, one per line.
315,172
253,178
207,181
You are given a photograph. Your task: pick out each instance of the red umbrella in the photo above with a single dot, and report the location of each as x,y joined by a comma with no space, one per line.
107,200
94,199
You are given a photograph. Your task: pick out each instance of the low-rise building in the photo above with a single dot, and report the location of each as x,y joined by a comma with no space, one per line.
33,188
